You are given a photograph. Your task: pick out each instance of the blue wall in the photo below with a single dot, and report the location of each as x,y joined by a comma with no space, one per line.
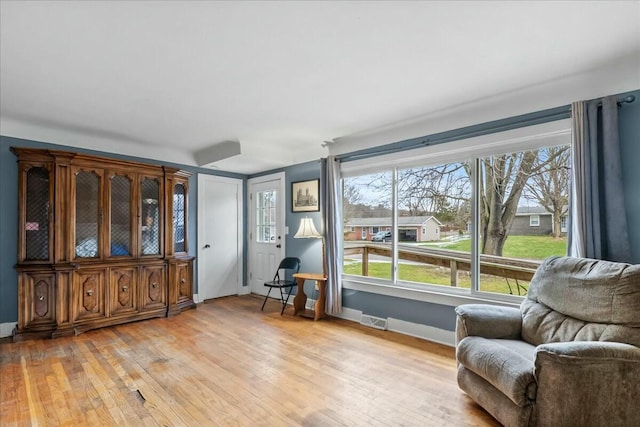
9,214
629,125
308,250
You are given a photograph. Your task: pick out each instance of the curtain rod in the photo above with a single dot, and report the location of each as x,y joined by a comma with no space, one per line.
626,100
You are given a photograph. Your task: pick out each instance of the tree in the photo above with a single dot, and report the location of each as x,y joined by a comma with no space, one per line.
503,178
550,186
351,198
438,190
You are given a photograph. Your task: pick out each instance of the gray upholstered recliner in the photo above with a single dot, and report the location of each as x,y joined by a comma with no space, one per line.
570,356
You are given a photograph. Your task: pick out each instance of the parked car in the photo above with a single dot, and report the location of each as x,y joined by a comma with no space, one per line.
382,236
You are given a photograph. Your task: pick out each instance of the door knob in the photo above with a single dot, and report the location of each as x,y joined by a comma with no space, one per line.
207,246
278,245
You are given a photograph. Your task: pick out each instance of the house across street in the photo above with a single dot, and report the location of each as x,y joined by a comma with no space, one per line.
410,228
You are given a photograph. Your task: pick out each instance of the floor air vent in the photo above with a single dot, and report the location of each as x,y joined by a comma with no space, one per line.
374,322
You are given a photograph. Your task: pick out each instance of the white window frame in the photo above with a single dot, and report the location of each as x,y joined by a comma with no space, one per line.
534,220
470,150
563,224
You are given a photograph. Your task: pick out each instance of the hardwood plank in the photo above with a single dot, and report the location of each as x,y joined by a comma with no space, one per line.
229,364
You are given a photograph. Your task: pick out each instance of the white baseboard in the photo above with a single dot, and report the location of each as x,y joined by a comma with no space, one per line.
429,333
441,336
6,329
349,314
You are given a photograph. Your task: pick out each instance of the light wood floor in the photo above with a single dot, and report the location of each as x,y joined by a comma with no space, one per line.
228,363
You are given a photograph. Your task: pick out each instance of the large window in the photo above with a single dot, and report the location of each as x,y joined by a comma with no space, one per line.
459,221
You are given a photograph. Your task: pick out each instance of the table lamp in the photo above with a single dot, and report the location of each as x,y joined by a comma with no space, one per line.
308,230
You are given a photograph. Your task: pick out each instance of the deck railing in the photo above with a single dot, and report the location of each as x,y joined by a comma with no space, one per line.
508,268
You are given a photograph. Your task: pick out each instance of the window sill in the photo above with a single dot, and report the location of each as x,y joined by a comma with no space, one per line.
451,297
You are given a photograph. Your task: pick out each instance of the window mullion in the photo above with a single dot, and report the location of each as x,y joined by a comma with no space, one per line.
475,224
394,226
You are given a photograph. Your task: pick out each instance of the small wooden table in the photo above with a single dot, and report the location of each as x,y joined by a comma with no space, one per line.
300,299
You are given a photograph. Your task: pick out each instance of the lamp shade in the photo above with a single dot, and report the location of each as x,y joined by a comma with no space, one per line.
307,230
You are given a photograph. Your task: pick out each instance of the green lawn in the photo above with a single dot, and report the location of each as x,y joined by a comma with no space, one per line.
434,276
530,247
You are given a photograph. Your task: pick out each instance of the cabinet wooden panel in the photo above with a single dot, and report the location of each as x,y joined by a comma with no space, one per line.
40,299
88,295
123,289
180,285
153,287
185,282
101,241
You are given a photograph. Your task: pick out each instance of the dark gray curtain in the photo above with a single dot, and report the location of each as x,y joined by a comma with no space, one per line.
332,231
598,217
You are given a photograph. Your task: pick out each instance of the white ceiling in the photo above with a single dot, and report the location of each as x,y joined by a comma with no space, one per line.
164,80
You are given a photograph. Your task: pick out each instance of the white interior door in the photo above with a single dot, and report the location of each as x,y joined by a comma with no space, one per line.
266,231
219,236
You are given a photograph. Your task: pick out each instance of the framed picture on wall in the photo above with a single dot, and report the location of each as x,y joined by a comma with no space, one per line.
305,196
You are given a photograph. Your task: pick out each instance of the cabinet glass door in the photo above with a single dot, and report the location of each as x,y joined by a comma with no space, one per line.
179,204
150,238
87,214
120,216
37,214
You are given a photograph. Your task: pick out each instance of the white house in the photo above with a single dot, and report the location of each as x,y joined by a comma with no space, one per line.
410,228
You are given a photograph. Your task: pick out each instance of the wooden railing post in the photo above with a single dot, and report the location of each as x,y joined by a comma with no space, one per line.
454,272
365,261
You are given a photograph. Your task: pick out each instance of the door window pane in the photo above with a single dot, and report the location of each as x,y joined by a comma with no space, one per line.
266,216
150,189
120,216
37,214
87,214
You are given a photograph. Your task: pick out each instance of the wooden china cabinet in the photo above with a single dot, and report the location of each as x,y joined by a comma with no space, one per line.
101,242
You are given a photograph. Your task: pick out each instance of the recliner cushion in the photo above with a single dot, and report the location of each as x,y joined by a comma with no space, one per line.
578,299
505,364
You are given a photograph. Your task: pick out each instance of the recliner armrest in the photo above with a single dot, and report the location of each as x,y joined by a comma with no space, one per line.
587,352
587,383
488,321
